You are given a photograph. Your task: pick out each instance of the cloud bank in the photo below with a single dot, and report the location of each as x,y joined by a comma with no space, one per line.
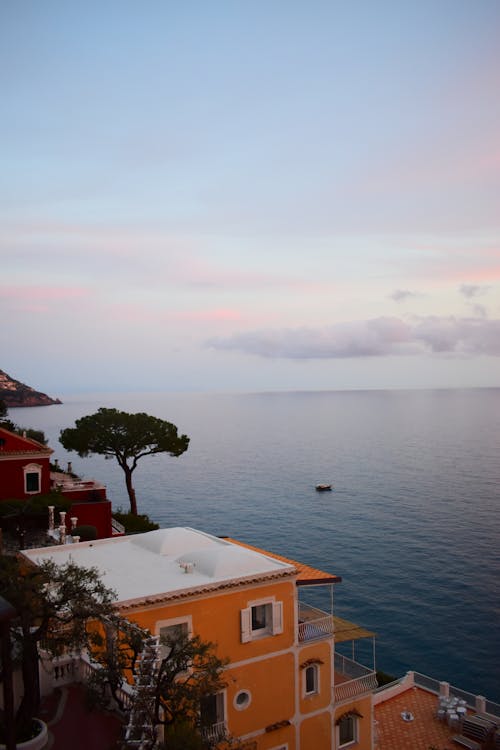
400,295
472,290
378,337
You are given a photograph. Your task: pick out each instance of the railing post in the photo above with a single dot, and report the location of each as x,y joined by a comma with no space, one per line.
480,704
444,689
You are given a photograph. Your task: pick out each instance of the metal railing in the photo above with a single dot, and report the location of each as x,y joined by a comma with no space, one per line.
435,686
79,484
314,623
117,527
474,702
362,679
214,732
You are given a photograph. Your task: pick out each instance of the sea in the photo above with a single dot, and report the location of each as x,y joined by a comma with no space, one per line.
411,525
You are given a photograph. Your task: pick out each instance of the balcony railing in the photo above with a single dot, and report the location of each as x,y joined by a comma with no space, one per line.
352,679
73,485
117,527
71,668
214,732
314,623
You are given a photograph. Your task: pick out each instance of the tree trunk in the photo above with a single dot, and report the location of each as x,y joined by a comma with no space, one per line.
30,703
130,490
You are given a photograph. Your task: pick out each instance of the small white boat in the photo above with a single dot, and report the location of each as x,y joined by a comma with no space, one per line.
323,487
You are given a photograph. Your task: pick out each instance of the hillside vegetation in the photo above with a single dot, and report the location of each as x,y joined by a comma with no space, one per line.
14,393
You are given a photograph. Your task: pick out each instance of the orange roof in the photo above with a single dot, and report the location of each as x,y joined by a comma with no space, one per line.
422,732
306,575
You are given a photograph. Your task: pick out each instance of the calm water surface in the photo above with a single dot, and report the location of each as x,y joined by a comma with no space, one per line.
412,525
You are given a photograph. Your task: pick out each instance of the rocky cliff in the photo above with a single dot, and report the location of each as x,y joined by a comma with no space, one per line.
14,393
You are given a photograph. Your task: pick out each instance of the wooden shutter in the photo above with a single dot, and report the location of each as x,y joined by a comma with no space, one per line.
246,625
277,618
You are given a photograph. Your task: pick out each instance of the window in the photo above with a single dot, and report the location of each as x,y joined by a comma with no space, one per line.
242,700
260,619
212,716
32,482
348,729
172,630
32,478
311,679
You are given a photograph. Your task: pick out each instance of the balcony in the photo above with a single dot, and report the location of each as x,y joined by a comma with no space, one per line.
352,679
314,623
214,732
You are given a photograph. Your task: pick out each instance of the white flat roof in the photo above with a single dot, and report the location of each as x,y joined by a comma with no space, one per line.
165,561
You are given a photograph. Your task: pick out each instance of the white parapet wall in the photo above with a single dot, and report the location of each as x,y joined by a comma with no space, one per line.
394,688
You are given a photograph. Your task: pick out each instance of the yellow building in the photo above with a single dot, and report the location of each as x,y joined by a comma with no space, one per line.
286,689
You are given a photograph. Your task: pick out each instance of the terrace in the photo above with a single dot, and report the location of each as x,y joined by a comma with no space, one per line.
408,715
75,487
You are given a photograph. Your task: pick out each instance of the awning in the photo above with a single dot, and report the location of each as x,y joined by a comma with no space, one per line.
349,631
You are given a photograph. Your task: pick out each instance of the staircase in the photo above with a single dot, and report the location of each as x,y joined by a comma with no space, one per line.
140,731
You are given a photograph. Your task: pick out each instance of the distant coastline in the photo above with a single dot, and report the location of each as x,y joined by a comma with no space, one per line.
16,394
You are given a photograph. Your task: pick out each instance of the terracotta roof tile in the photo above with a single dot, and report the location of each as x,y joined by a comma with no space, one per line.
306,575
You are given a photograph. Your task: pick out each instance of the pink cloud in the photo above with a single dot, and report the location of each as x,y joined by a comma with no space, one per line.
196,271
142,314
42,293
40,299
221,315
470,265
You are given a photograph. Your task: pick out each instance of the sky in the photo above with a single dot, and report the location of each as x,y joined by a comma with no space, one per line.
250,195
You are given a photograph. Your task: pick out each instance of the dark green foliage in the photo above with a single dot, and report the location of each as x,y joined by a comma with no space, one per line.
189,673
124,643
135,524
183,736
5,422
54,605
384,679
86,532
126,437
10,507
36,507
31,433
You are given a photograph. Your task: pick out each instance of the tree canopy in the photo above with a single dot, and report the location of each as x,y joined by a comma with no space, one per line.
190,674
126,437
54,605
8,424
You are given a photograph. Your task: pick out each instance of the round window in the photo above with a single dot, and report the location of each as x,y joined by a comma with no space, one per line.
242,700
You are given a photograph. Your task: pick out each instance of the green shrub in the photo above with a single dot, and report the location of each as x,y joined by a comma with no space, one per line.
11,506
86,532
32,513
42,502
135,524
384,679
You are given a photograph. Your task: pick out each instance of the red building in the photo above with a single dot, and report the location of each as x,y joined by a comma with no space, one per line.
25,471
24,466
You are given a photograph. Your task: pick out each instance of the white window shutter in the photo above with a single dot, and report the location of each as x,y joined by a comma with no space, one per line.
246,625
277,618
